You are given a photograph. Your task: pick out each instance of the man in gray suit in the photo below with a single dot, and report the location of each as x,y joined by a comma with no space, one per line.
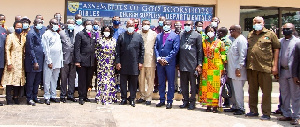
190,63
2,44
68,72
290,91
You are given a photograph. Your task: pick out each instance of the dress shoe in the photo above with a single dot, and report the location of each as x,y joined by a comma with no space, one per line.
251,114
132,103
31,102
148,102
284,118
38,101
278,111
1,104
230,110
47,101
169,106
265,117
191,107
72,99
81,101
185,105
54,100
123,102
238,112
16,100
87,100
58,88
294,122
9,102
63,100
160,104
140,100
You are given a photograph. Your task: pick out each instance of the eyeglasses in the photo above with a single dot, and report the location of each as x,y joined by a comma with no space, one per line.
232,30
187,24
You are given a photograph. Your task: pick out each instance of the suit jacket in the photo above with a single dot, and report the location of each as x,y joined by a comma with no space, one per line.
67,39
191,52
3,35
296,61
85,48
33,51
130,52
170,49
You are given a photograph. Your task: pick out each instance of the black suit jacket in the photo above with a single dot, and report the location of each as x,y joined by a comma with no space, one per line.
84,48
296,62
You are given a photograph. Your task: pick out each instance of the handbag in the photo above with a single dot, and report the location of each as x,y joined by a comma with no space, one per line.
226,89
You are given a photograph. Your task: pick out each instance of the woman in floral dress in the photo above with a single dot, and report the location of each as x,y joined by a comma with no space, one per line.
213,67
105,54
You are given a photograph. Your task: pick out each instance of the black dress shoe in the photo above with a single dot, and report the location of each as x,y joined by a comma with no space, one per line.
72,99
63,100
9,102
123,102
191,107
185,105
132,103
169,106
31,102
160,104
87,100
230,110
38,101
81,101
58,88
47,101
239,112
140,100
16,100
54,100
148,102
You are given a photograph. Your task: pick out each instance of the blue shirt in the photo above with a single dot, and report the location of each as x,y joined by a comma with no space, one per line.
42,31
117,32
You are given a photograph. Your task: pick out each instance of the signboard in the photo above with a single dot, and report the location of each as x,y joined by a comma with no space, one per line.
105,11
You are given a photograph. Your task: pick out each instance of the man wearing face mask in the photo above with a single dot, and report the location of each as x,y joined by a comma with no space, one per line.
262,61
78,24
215,21
85,59
129,61
116,26
53,61
34,60
289,90
2,21
58,17
43,29
190,63
166,48
26,25
148,70
159,28
68,72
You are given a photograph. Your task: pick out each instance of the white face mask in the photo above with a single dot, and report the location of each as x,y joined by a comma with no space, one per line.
214,24
106,34
89,27
210,34
199,29
146,27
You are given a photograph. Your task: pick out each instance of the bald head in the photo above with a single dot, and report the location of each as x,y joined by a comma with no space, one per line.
258,20
130,23
235,31
18,18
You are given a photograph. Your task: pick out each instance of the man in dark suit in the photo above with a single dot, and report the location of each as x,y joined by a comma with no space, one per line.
68,72
190,63
129,60
84,59
3,35
34,61
166,48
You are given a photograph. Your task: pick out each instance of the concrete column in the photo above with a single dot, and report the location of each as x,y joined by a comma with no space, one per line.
228,12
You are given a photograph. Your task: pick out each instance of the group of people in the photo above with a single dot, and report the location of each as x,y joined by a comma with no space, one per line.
37,54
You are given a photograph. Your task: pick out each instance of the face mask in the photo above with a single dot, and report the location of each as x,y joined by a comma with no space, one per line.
71,26
115,22
78,21
96,27
199,29
257,27
25,26
167,28
39,26
130,29
187,28
2,22
210,34
214,24
287,32
146,27
55,27
89,27
106,34
160,23
19,30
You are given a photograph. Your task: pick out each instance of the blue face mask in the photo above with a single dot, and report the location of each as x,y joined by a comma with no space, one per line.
70,26
167,28
55,27
115,22
19,30
161,23
39,26
130,29
187,28
96,27
78,21
257,27
25,26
